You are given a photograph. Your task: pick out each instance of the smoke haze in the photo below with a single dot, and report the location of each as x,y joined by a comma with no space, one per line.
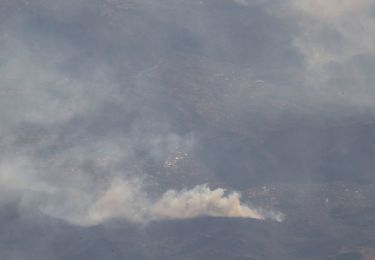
159,111
126,200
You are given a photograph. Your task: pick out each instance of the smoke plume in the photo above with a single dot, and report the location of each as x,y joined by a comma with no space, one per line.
202,201
127,201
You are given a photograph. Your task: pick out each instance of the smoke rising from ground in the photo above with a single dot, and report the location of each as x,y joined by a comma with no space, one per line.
97,97
128,201
202,201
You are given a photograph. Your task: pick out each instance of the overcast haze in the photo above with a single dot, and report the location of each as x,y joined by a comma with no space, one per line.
124,120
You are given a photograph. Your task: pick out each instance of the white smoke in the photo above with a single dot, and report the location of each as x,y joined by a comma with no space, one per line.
349,21
123,200
56,159
127,201
241,2
83,200
202,201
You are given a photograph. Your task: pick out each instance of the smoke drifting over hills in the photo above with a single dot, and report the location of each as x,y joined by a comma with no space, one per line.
123,200
79,138
152,111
